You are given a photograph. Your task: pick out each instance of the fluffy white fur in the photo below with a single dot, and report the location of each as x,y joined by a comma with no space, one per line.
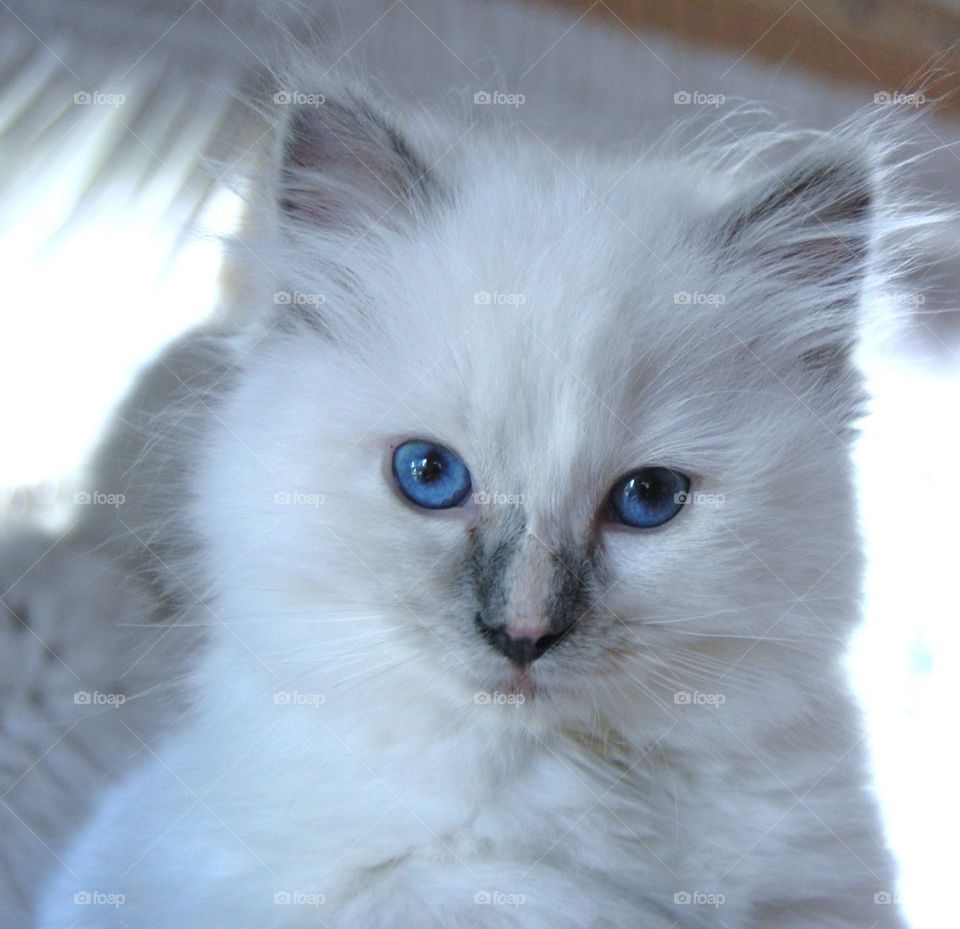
343,763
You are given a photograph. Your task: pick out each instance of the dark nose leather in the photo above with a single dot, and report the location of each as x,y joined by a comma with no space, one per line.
521,651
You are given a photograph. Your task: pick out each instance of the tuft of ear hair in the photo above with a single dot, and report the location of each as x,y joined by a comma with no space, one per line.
814,220
805,241
345,164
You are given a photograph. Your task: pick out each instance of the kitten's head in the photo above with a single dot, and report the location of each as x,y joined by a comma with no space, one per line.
533,424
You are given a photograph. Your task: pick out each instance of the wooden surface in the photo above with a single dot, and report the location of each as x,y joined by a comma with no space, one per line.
888,45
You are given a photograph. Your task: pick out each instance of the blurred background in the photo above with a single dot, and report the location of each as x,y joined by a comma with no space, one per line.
125,135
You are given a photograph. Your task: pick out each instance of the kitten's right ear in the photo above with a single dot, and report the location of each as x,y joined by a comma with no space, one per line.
799,248
811,224
344,164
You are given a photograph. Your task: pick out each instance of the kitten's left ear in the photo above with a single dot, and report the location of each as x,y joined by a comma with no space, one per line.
813,220
802,244
345,164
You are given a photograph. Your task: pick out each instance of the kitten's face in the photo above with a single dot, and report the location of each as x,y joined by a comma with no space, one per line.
538,337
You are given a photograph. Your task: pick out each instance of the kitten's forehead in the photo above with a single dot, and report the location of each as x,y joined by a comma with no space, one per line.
540,321
557,343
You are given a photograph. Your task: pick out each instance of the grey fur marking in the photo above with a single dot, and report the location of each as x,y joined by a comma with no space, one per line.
489,566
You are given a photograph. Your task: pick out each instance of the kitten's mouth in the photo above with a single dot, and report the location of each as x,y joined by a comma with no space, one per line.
521,683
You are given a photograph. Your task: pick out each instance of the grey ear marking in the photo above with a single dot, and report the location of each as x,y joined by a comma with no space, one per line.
805,239
830,358
344,163
814,220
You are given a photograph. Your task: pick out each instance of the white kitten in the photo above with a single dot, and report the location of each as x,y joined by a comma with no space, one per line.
632,388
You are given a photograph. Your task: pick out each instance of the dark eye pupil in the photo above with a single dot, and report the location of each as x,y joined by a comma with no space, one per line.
428,468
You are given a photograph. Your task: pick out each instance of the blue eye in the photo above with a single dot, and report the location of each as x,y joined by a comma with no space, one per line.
430,475
648,497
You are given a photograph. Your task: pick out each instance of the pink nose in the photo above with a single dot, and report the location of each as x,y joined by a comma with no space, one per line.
527,627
